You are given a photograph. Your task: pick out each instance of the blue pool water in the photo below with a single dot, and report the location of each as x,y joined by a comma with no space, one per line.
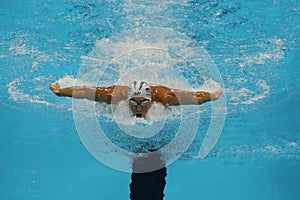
254,46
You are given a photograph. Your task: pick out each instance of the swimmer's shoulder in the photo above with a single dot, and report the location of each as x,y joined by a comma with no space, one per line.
112,94
161,94
159,89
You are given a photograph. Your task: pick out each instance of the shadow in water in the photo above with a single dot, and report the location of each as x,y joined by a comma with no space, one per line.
148,185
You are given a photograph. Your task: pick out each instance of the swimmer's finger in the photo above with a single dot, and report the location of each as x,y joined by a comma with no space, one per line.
54,87
217,94
57,86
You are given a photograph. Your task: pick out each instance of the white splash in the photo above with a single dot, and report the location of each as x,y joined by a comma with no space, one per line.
17,94
293,144
271,148
273,52
21,48
246,96
265,88
210,86
70,80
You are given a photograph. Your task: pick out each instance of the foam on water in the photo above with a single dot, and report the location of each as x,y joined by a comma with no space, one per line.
175,14
161,57
142,54
17,94
116,53
28,69
272,51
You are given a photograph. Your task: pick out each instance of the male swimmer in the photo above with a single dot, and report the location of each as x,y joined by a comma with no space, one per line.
140,95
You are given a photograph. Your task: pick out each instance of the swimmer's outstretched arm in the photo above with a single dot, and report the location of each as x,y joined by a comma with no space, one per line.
99,94
173,97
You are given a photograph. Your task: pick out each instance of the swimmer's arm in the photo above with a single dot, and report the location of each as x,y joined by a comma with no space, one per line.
99,94
175,97
77,92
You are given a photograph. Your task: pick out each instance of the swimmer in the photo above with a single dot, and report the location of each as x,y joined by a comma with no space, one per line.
140,95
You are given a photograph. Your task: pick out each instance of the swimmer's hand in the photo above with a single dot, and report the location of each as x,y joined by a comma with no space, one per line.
214,89
55,88
217,94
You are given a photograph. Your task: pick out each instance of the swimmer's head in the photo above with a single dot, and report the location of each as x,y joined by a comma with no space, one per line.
139,89
139,96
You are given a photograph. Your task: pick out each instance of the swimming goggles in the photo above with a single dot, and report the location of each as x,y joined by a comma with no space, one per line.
142,103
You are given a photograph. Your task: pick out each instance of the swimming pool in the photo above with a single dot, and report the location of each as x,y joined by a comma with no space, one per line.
254,46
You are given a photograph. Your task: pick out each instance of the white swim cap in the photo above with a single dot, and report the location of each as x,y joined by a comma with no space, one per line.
139,89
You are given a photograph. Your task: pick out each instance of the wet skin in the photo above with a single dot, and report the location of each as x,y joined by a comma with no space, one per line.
139,106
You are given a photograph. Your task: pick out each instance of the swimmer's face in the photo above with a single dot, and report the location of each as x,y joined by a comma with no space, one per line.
139,106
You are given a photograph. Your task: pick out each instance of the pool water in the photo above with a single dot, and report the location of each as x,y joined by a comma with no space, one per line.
254,46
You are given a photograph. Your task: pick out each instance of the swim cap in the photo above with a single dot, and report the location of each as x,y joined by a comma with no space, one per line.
139,89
